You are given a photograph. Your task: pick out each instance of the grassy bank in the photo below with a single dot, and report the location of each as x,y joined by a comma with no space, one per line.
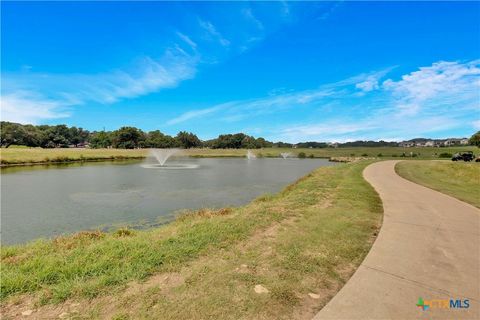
295,248
15,156
458,179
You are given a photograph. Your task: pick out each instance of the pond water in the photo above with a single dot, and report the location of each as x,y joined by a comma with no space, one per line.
43,203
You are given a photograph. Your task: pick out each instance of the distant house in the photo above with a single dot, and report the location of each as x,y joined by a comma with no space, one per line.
455,142
420,144
407,144
429,143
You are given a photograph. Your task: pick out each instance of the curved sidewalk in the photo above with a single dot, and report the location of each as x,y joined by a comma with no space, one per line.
428,246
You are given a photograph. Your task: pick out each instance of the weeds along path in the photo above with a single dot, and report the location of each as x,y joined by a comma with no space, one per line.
428,248
282,256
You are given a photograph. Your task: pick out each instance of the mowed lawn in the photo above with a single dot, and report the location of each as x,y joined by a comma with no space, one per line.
15,155
282,256
458,179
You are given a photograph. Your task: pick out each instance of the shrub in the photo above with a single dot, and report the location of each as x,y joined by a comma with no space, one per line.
379,155
352,154
445,155
123,232
365,155
302,155
311,156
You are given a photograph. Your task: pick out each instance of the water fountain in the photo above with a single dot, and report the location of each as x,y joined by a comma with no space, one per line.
162,155
251,155
285,155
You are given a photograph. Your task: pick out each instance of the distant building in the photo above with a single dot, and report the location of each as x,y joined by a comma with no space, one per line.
407,144
455,142
422,142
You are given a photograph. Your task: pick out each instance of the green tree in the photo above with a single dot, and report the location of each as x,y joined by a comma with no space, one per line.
475,139
128,138
156,139
188,140
11,133
100,139
77,135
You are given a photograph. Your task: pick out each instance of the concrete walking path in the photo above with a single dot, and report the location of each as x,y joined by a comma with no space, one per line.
428,246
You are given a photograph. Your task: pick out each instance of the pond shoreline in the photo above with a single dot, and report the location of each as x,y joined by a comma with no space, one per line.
206,251
53,162
20,164
65,198
33,156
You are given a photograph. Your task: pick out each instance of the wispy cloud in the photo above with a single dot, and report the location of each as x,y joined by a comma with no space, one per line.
326,130
273,102
187,40
194,114
248,14
29,107
432,100
375,127
440,98
32,97
451,81
213,33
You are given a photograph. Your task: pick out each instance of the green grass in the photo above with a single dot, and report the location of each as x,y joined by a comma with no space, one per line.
308,238
458,179
12,156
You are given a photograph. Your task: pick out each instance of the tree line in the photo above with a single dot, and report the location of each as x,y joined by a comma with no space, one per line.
62,136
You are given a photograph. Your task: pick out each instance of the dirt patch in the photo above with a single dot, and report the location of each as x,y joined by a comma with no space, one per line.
26,307
164,281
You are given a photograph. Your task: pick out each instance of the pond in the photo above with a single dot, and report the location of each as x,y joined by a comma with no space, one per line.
43,203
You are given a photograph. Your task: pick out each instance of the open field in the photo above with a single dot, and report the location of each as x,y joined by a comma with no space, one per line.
38,155
457,179
12,156
281,256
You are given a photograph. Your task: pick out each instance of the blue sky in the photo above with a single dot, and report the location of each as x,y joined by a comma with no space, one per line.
290,71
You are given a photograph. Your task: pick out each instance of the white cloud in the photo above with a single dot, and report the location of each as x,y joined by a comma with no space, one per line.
187,40
238,110
327,131
248,14
30,97
368,85
443,96
193,114
213,33
442,80
28,107
369,82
